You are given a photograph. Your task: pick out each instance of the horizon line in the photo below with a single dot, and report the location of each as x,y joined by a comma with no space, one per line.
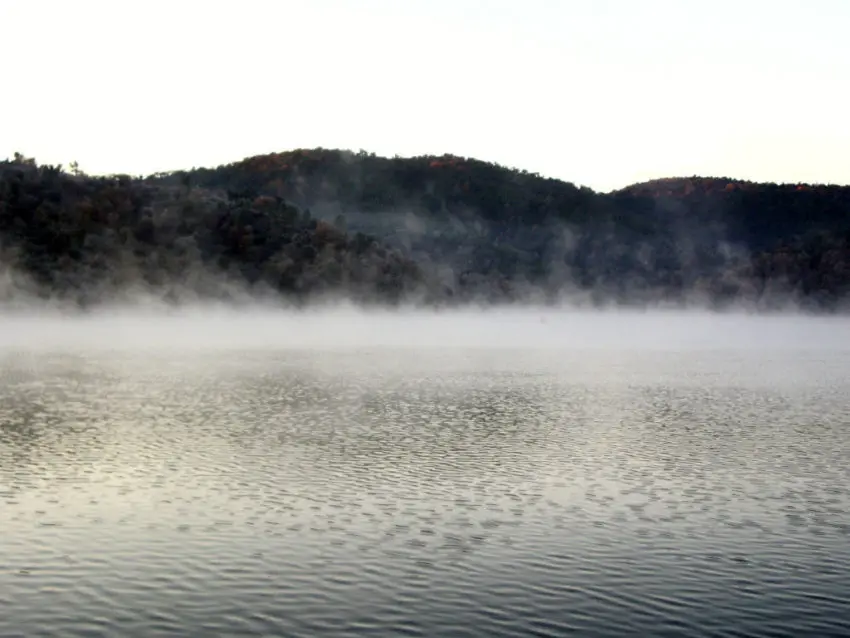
363,152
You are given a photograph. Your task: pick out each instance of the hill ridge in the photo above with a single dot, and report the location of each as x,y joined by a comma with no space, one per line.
436,228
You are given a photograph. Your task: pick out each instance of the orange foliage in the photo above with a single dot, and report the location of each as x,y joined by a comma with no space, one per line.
327,233
263,200
454,162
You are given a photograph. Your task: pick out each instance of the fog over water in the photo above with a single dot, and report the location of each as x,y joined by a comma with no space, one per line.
346,326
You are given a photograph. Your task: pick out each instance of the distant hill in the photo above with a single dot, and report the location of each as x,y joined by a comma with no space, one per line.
93,239
432,229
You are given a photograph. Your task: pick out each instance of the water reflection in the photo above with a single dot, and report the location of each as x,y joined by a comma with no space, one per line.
454,493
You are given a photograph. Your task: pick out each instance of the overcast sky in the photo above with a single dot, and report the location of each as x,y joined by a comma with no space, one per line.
599,92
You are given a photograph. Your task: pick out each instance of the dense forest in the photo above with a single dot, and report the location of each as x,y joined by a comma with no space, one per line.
432,230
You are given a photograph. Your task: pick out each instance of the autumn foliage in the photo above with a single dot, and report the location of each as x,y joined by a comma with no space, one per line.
441,228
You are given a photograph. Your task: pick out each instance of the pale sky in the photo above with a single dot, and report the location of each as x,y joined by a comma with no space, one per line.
602,93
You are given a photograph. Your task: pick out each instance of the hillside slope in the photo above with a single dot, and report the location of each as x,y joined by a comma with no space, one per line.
487,225
433,229
89,240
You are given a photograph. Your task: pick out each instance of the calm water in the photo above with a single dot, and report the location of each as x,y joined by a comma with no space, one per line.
395,491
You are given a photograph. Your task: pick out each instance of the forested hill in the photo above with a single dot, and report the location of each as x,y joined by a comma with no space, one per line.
430,229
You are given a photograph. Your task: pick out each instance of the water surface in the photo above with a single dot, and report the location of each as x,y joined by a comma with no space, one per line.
671,488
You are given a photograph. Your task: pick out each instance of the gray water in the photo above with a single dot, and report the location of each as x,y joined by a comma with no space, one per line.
682,480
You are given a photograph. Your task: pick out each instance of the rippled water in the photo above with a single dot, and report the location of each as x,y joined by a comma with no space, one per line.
457,492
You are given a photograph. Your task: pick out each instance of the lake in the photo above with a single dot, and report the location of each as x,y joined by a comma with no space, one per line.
526,474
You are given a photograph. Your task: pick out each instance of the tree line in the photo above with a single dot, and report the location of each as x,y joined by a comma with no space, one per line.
435,229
